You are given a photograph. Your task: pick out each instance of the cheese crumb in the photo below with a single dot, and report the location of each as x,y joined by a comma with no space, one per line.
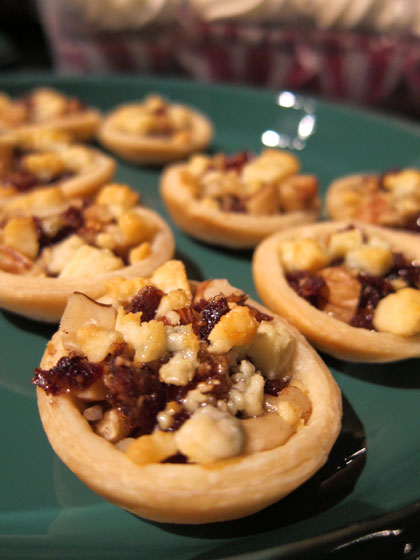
210,435
235,328
399,313
303,254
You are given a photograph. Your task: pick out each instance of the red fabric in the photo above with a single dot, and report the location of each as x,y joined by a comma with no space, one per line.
358,67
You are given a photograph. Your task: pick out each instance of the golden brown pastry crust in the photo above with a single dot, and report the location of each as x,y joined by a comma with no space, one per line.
362,197
84,183
194,493
148,149
326,333
228,229
336,208
82,125
44,298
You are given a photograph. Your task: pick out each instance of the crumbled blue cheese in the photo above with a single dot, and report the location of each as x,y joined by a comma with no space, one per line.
148,339
247,392
272,349
210,435
184,344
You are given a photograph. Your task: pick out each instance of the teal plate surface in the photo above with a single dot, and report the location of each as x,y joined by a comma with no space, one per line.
46,512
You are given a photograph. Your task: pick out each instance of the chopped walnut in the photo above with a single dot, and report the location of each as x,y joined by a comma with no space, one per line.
340,295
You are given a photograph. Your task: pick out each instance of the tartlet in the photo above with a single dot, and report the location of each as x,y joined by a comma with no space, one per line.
40,159
195,406
235,201
51,246
155,131
352,289
390,199
46,107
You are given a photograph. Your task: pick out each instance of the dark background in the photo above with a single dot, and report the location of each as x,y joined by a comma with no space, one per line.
23,45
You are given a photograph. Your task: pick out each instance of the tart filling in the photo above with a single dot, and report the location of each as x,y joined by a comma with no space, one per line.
193,383
353,289
391,199
237,200
48,108
48,241
43,158
155,131
357,279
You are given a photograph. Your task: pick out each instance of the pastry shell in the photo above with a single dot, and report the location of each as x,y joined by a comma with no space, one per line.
44,298
359,196
82,125
154,150
214,226
326,333
336,208
197,493
84,182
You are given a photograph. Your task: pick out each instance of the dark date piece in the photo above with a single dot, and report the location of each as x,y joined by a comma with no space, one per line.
70,373
306,284
210,313
145,301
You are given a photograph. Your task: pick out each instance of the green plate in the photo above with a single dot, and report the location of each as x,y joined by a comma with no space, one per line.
373,476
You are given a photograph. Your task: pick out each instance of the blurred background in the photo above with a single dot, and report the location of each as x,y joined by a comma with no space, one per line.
364,52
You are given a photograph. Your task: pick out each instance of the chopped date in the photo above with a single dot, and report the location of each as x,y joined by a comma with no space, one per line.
177,393
211,366
237,161
177,458
178,419
402,268
306,284
214,370
363,319
374,288
71,220
240,299
70,373
147,301
211,369
259,315
210,313
275,386
136,392
20,179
